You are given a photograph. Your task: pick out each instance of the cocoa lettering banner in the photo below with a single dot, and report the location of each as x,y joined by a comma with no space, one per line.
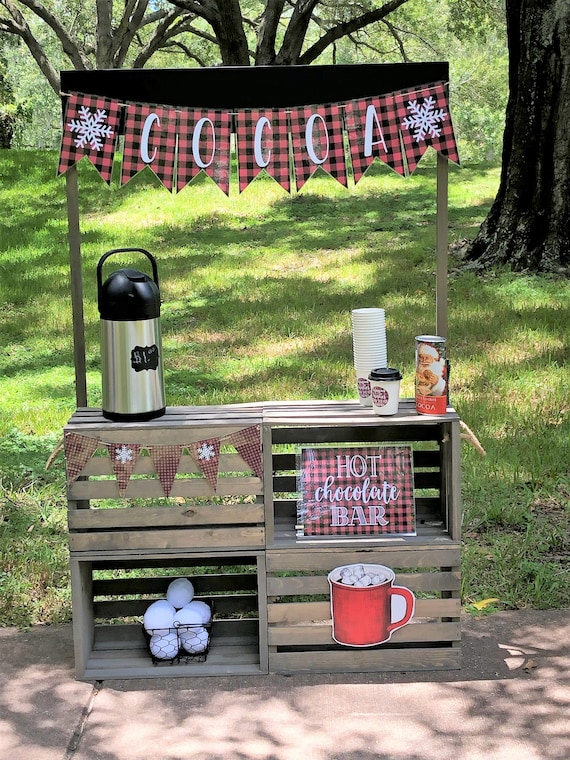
356,491
289,145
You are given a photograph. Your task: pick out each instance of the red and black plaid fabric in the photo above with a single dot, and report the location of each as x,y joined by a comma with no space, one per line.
247,443
424,119
90,128
166,460
150,140
206,454
262,139
373,132
78,451
204,145
124,459
327,508
318,141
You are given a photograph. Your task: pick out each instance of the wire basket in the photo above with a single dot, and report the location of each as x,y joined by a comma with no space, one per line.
181,644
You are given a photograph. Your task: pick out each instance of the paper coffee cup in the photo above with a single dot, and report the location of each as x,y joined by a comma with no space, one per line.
385,390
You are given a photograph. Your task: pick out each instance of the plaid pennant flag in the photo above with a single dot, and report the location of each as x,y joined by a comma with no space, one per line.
124,459
425,120
206,454
317,138
372,127
90,128
263,143
166,460
78,451
247,443
150,140
356,491
204,145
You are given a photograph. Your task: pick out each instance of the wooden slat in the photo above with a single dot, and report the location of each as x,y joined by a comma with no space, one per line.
306,612
318,584
157,586
147,488
288,636
102,465
220,538
366,661
124,608
413,556
181,515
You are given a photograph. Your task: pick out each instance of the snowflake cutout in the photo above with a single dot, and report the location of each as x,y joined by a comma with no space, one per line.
124,454
91,128
206,452
424,119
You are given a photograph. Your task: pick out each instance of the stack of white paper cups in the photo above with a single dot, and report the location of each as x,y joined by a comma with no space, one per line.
369,348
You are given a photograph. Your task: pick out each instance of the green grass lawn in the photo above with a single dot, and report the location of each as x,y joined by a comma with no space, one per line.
257,290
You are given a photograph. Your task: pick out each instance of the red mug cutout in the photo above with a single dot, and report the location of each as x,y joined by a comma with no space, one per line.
362,615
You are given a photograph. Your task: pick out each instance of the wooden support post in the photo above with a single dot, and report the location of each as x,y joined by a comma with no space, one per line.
441,247
74,234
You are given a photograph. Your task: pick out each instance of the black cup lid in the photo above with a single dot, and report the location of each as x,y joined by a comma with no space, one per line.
385,374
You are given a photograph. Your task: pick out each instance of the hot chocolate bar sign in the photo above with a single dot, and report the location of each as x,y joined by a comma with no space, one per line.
178,144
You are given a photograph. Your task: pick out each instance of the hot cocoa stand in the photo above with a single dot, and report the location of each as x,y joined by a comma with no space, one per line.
212,492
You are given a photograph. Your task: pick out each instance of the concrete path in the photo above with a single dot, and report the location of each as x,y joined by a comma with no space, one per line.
511,699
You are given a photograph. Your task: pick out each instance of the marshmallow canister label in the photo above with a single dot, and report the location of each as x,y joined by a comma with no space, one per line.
431,375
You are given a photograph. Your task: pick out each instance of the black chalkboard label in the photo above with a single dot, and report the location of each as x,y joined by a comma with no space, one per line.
144,358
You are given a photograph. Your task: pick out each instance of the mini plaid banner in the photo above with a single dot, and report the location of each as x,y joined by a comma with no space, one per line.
373,132
356,491
150,140
263,144
166,460
90,128
78,451
204,144
317,138
247,443
425,120
124,458
206,454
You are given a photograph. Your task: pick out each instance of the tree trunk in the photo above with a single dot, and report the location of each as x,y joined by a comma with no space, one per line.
528,224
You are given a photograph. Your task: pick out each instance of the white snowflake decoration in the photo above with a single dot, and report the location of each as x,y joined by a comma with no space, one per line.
206,452
124,454
91,128
424,119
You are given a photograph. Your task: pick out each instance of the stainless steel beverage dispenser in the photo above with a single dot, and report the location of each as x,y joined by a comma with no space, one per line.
131,342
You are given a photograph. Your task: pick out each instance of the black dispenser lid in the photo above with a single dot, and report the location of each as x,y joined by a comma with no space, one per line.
127,294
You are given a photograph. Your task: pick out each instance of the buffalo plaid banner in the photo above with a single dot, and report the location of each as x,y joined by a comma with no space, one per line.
247,443
90,128
318,141
78,451
206,454
373,132
204,144
396,128
263,144
166,460
424,119
150,140
356,491
124,459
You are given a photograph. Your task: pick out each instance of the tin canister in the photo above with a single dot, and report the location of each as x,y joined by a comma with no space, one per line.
431,374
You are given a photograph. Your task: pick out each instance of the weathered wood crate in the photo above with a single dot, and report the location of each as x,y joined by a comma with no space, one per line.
105,522
435,441
111,596
272,596
299,611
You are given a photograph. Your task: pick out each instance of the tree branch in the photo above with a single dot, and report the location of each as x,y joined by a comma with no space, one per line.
348,27
17,25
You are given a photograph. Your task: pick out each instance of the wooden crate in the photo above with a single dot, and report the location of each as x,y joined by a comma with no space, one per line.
435,441
111,596
299,611
102,522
